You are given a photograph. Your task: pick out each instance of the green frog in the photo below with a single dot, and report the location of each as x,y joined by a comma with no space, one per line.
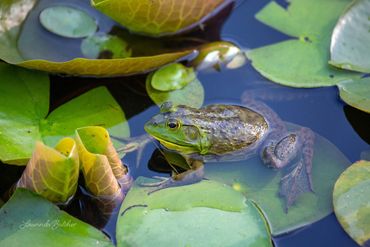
235,132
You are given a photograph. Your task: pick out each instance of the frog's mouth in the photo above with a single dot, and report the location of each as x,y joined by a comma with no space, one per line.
173,146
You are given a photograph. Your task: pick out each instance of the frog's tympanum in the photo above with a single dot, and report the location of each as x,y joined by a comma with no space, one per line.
233,132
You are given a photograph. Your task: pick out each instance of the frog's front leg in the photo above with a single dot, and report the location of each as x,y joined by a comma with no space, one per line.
191,176
294,153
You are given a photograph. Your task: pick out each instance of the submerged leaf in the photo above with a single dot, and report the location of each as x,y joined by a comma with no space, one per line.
302,61
202,214
190,95
13,15
52,173
351,201
24,103
172,77
350,43
356,93
68,22
29,220
156,18
105,46
262,185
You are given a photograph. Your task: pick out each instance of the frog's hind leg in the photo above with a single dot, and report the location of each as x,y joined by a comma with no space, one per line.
191,176
294,153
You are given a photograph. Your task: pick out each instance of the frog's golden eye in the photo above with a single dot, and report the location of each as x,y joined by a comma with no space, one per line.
173,124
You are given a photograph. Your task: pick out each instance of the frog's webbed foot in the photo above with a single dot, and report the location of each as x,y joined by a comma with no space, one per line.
194,175
295,149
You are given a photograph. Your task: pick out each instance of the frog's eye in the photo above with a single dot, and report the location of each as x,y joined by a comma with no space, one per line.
173,124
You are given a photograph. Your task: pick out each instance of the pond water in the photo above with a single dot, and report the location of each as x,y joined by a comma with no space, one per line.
319,109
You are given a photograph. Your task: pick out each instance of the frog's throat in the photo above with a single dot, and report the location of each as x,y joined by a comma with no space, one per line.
176,147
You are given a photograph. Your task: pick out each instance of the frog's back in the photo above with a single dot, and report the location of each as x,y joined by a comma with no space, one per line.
231,128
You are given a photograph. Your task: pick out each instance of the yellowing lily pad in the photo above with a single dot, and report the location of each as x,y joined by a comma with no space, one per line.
202,214
15,13
356,93
190,95
303,60
24,106
68,22
53,173
350,43
157,18
172,77
262,184
351,198
28,219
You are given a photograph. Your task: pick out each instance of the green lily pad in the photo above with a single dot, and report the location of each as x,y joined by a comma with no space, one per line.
24,106
351,201
261,184
350,43
190,95
29,220
68,22
53,172
172,77
203,214
98,45
15,13
356,93
303,60
156,18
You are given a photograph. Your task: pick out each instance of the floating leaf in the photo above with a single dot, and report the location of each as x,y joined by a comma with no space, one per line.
202,214
29,220
350,43
13,15
156,18
172,77
351,201
68,22
100,44
356,93
53,173
24,103
302,61
262,185
190,95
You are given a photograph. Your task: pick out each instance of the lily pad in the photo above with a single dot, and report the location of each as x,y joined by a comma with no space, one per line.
356,93
68,22
303,60
203,214
350,43
190,95
15,13
261,184
98,45
157,18
351,201
29,220
172,77
53,173
24,106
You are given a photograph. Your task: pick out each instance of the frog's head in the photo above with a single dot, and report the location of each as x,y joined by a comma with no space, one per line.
176,129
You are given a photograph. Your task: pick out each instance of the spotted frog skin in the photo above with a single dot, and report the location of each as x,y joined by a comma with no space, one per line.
235,132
